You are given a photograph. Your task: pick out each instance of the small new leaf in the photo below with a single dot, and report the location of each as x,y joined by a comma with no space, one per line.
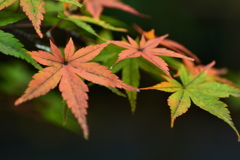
203,94
67,71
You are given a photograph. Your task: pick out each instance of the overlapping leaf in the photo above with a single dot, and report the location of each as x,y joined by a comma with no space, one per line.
154,63
173,45
11,46
95,7
7,17
212,73
131,75
201,92
82,21
81,24
97,22
33,9
6,3
67,72
75,2
148,50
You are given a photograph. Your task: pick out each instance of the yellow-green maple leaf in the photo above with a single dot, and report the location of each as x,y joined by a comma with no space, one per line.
201,92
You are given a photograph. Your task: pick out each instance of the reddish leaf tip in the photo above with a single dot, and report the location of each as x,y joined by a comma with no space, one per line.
17,102
165,36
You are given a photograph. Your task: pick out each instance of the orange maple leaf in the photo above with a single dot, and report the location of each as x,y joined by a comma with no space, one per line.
67,70
147,50
95,7
173,45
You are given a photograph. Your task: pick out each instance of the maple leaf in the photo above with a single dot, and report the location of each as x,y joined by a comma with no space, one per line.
7,17
95,7
33,9
147,50
6,3
173,45
212,73
131,75
67,72
11,46
201,92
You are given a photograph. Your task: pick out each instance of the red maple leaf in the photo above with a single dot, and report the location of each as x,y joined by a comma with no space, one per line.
67,72
148,50
95,7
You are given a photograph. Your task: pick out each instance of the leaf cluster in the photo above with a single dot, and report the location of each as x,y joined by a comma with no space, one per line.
100,56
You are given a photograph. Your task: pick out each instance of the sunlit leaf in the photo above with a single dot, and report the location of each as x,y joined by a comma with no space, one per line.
67,72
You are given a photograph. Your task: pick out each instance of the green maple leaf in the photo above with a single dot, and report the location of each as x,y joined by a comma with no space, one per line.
204,94
11,46
131,76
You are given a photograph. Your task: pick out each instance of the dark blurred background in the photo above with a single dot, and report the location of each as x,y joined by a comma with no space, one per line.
209,28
